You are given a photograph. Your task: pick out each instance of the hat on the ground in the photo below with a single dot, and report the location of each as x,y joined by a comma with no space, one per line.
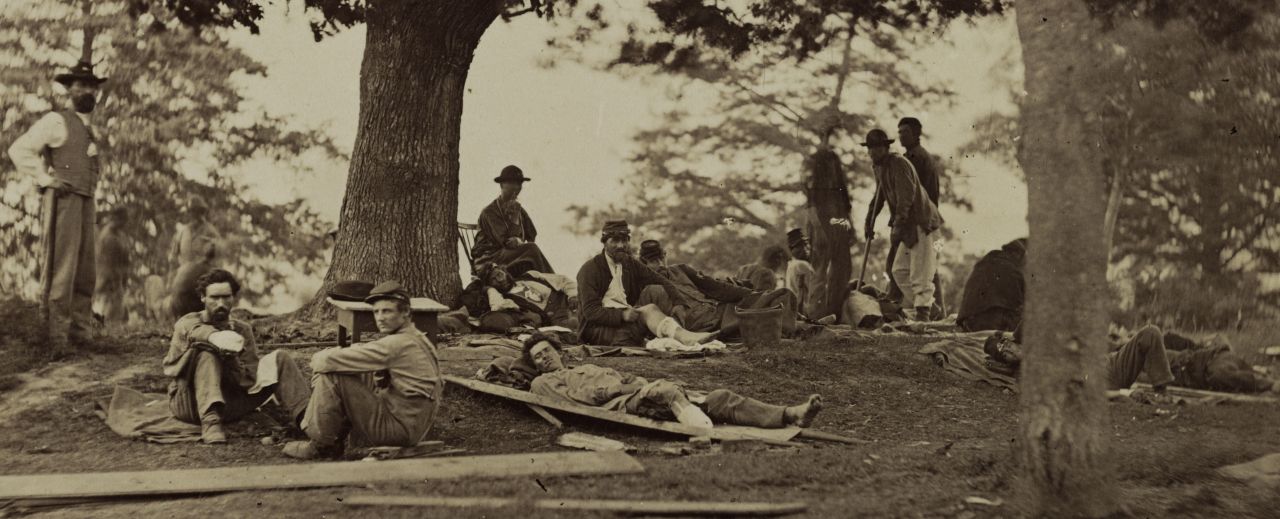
387,290
82,71
651,250
350,290
616,228
877,137
511,174
795,238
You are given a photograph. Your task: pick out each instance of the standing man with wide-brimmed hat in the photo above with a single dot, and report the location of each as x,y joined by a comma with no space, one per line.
913,219
506,232
60,153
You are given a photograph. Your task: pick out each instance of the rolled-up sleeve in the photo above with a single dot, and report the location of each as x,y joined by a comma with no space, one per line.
27,151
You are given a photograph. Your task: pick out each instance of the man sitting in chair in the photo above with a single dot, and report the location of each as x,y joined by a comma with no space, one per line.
506,232
660,399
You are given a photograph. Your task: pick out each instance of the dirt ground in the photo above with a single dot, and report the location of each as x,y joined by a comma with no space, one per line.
935,439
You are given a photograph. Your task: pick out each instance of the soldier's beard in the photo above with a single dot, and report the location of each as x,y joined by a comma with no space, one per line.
84,103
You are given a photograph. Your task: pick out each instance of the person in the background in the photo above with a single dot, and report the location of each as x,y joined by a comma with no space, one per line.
1214,366
506,235
213,364
929,171
995,292
1142,354
710,302
194,251
60,153
913,219
113,268
763,275
384,392
800,273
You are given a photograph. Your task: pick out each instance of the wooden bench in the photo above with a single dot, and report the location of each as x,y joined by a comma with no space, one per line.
355,318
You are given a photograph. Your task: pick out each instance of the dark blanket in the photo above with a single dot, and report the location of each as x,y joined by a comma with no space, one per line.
996,282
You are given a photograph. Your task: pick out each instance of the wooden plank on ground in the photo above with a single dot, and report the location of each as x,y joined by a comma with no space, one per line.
546,415
293,475
593,505
819,435
719,432
1200,393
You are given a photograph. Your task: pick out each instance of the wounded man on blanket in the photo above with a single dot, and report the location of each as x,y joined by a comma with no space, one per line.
587,384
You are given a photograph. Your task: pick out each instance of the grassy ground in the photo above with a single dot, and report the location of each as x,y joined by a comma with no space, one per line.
936,439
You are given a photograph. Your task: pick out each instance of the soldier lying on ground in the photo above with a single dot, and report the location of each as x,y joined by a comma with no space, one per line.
533,298
659,399
710,302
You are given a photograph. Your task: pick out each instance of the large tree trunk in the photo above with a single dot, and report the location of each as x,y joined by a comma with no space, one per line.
399,214
1063,411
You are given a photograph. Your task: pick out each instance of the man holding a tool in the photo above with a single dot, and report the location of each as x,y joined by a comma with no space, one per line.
913,218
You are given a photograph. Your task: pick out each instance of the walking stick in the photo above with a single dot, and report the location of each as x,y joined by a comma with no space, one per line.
866,254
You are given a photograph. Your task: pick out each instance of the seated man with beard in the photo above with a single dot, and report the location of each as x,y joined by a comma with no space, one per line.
533,298
618,295
660,399
213,362
709,303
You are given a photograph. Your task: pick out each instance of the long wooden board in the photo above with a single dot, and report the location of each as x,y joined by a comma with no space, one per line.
595,505
1200,393
719,432
225,479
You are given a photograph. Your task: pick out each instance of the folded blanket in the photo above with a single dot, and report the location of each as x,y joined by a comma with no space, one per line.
964,356
146,416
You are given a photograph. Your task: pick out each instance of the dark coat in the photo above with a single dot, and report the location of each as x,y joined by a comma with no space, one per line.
996,282
496,226
593,281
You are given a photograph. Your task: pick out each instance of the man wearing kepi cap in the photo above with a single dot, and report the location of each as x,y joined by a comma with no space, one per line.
506,232
385,392
619,297
799,278
217,376
913,219
60,154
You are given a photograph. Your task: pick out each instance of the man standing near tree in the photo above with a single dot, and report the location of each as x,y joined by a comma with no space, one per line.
60,152
506,232
913,219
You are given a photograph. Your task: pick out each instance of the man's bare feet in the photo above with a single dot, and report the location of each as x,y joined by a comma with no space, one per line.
689,338
802,415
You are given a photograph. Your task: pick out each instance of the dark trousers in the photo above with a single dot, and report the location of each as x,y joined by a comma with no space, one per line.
206,384
627,334
67,274
1144,353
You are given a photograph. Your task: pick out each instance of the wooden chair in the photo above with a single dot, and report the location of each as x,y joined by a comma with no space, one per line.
467,237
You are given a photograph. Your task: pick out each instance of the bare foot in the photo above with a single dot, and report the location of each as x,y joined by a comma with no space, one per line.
689,338
802,415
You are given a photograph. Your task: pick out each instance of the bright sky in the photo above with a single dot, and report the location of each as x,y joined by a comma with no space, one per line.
569,127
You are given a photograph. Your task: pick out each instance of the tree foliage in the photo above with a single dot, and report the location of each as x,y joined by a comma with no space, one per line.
720,181
171,122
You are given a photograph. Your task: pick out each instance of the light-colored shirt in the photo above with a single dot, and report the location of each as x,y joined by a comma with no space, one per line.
615,296
533,291
799,279
27,151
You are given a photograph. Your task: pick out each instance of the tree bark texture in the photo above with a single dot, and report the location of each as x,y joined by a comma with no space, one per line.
1063,410
399,213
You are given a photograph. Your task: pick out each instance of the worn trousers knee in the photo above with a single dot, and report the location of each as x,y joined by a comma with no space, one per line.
724,406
